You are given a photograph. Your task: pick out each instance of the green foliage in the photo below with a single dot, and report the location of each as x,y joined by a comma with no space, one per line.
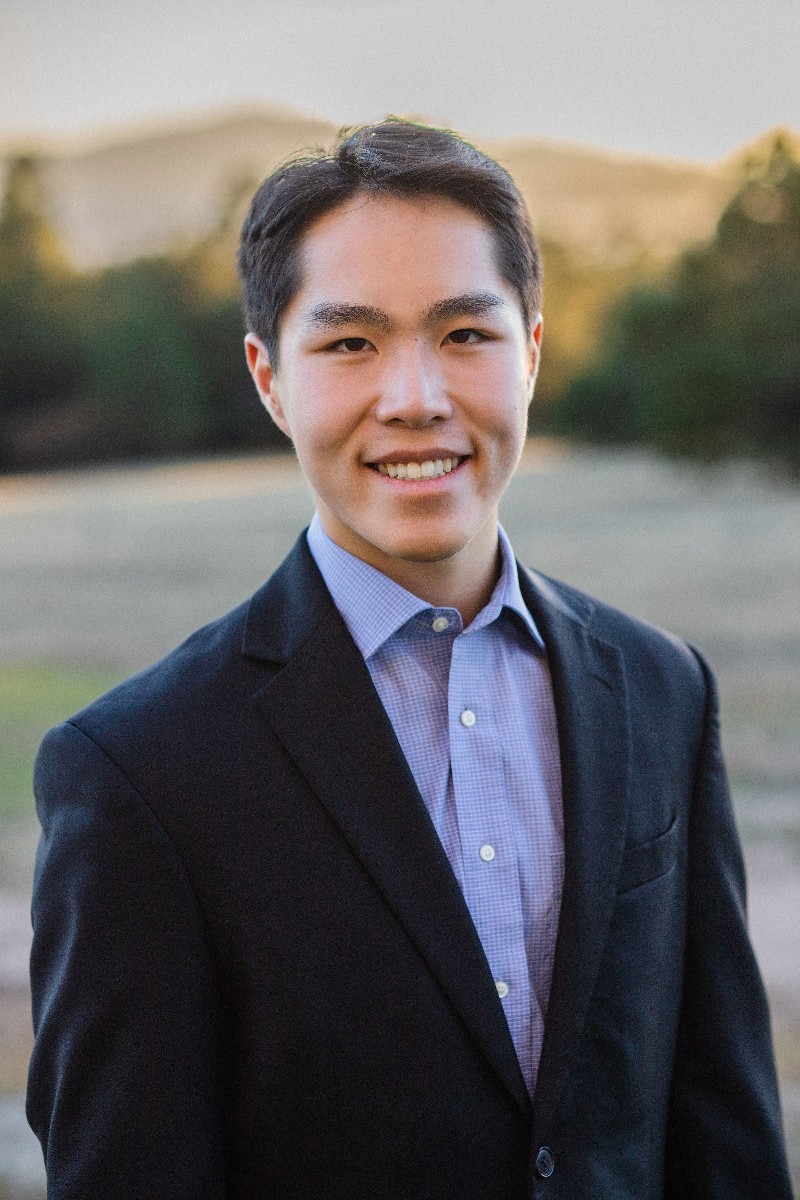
135,361
38,354
579,293
29,250
709,362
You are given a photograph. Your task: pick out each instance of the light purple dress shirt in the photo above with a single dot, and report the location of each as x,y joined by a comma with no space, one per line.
473,712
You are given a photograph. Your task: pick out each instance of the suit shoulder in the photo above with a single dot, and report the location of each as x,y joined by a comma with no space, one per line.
186,687
176,727
646,649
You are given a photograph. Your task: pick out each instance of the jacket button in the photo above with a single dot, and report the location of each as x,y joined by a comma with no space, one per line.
545,1164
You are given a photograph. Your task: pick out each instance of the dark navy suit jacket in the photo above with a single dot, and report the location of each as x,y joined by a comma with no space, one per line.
254,974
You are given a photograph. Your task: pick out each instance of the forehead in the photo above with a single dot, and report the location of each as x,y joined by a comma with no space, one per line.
376,247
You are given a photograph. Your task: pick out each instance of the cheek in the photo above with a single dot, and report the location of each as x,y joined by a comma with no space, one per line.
497,387
504,412
320,413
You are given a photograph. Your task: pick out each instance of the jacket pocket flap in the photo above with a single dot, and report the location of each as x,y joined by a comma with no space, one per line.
642,863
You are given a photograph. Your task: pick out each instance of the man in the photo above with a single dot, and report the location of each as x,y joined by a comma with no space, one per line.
415,876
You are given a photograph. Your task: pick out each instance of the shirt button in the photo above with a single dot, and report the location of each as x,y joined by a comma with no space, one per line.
467,718
440,624
502,989
487,852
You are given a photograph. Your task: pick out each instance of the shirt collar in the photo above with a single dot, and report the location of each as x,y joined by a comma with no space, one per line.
374,607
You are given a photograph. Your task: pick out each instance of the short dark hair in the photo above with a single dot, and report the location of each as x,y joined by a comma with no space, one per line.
392,158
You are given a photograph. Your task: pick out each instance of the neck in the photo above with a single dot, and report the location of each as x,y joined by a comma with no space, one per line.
444,584
464,580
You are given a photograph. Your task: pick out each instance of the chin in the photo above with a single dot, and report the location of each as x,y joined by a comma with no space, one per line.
427,555
424,550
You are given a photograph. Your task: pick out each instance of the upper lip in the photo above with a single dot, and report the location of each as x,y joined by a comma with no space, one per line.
418,456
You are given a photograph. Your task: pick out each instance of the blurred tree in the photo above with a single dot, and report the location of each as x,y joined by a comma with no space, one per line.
145,374
135,361
579,293
236,416
708,363
40,353
167,371
29,247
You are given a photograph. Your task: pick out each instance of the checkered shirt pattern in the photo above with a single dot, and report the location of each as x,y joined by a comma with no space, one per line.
473,712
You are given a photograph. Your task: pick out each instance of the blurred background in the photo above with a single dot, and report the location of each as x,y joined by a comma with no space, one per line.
142,489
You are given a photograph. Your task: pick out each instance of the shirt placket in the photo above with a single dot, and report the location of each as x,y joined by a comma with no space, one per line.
489,866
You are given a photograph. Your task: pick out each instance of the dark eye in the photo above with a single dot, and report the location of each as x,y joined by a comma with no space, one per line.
351,345
464,337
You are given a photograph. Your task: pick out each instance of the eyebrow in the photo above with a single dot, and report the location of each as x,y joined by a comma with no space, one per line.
332,316
470,304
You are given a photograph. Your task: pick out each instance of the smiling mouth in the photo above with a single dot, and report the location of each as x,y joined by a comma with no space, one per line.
428,468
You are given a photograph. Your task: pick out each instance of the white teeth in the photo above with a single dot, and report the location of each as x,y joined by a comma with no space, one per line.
428,469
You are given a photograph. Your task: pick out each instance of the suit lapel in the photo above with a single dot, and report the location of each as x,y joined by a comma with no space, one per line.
323,707
592,713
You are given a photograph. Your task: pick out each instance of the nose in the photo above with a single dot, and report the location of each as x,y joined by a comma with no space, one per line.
413,391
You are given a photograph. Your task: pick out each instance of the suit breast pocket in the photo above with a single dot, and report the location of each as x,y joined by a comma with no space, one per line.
647,861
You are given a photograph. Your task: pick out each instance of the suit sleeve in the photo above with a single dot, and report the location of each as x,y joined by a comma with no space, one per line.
725,1139
123,1086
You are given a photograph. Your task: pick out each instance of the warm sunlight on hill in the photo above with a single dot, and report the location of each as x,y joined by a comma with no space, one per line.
146,190
612,206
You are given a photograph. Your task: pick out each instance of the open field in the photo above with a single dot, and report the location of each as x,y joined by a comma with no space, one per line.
103,571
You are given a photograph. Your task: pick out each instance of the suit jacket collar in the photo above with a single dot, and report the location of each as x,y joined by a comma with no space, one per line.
286,610
323,707
590,694
325,710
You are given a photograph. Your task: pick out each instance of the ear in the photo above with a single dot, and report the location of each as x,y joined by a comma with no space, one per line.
534,354
266,380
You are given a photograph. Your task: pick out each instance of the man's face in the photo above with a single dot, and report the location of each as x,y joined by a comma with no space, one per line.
404,379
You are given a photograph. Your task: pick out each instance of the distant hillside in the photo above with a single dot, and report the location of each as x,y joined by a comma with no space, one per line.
143,192
167,184
610,205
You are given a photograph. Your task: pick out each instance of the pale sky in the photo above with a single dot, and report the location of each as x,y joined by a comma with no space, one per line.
683,78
